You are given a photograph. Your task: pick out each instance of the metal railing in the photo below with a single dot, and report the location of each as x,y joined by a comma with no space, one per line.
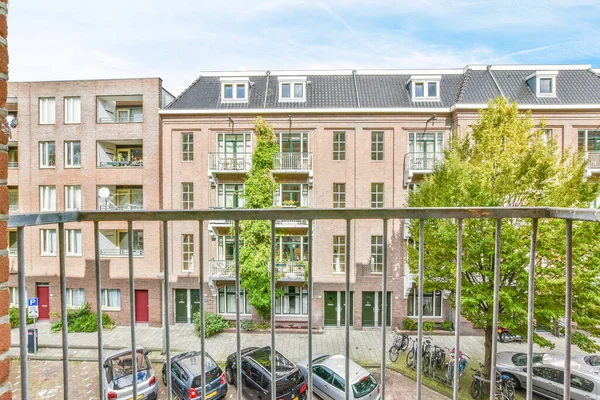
222,268
422,161
291,270
121,252
13,164
229,162
296,162
348,215
292,223
121,120
120,164
593,160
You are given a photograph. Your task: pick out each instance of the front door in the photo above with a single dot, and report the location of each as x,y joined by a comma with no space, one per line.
331,308
141,306
181,302
195,299
43,294
368,309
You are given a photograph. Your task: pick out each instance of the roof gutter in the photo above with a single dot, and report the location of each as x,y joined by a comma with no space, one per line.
489,69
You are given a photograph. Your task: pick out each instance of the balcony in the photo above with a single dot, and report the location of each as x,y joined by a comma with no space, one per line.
416,165
222,269
120,109
291,226
115,243
291,271
593,159
228,163
293,163
120,198
111,252
120,153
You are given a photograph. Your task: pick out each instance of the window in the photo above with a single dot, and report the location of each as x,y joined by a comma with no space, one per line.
339,146
376,146
293,302
233,90
13,157
187,147
293,142
292,88
291,248
72,110
138,242
234,143
73,154
339,195
48,241
12,242
546,85
589,142
13,199
47,155
227,301
543,83
376,195
289,194
550,374
377,254
338,383
339,254
72,197
226,248
187,195
73,239
425,88
13,293
230,195
111,299
323,373
47,110
432,304
187,256
547,136
75,297
581,383
48,198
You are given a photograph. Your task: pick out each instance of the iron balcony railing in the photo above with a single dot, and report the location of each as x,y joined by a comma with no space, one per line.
21,221
13,164
119,164
422,161
121,252
229,162
292,162
291,271
121,120
593,158
222,269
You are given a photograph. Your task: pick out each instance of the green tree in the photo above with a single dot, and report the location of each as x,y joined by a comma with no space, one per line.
505,162
255,253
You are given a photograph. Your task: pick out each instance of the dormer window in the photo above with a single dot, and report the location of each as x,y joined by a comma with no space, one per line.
234,89
425,88
543,83
292,88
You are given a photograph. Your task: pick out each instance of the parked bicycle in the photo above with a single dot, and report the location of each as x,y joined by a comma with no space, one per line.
462,366
411,357
436,360
400,344
505,389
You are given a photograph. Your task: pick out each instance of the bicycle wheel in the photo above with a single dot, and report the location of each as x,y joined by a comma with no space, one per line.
404,344
426,362
393,352
475,389
510,391
442,359
410,358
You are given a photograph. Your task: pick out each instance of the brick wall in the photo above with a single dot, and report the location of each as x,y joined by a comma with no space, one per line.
5,388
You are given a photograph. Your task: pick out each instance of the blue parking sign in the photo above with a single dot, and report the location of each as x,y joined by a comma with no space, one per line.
32,302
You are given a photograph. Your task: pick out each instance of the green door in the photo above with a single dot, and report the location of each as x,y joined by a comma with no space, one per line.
368,308
388,319
343,308
181,305
195,295
331,308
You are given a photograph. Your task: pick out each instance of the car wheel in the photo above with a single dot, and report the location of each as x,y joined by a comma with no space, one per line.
504,337
514,380
164,378
229,376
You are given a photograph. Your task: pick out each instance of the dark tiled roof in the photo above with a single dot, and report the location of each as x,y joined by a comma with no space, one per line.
474,86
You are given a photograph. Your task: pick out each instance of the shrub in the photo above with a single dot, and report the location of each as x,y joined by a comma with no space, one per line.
248,325
448,326
409,324
14,318
213,323
82,319
428,326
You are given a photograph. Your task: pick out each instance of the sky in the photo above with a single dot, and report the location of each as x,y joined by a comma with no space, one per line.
178,39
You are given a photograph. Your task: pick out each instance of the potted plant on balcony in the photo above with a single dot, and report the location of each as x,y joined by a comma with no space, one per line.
288,204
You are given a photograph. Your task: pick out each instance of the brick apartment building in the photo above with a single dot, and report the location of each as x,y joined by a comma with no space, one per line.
354,139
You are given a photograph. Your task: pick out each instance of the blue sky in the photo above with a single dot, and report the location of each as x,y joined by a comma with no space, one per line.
176,39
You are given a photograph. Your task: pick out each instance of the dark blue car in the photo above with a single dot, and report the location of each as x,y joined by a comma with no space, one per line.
186,379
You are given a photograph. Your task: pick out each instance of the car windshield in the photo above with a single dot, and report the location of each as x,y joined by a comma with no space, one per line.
365,386
520,359
211,376
283,366
594,361
121,369
289,382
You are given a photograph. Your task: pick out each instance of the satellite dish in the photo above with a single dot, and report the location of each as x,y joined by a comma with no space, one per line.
104,192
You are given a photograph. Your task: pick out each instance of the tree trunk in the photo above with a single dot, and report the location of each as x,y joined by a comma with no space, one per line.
488,358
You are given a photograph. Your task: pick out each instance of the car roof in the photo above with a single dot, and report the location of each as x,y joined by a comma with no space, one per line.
262,356
337,363
121,352
192,362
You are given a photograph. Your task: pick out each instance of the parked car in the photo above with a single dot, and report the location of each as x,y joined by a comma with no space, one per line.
118,376
592,361
186,381
329,378
256,375
512,364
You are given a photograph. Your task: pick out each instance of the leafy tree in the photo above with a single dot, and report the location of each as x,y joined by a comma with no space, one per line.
255,253
505,162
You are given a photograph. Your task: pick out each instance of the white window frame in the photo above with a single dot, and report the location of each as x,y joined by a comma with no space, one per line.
247,308
339,146
70,298
292,81
302,198
375,142
552,78
375,186
337,194
547,135
302,296
434,310
13,293
223,195
187,197
13,191
47,110
48,242
45,155
104,298
73,110
73,197
69,146
377,245
46,203
425,80
190,149
187,248
235,82
73,239
339,251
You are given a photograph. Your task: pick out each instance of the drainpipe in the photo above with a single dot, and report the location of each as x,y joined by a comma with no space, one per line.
267,89
356,88
489,70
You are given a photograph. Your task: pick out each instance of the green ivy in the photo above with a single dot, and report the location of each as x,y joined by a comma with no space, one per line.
14,318
213,323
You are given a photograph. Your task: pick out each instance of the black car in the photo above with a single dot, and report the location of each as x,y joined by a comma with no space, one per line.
256,375
186,380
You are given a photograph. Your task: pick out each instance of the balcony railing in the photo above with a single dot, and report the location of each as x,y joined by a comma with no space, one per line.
120,164
346,216
422,161
292,223
121,120
121,252
291,271
292,162
222,269
13,207
13,164
222,162
118,207
593,160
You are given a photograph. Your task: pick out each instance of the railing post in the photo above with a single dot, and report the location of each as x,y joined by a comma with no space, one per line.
166,319
22,313
384,306
496,309
202,327
310,324
99,308
420,308
238,332
568,310
347,312
132,306
63,307
530,305
273,362
457,312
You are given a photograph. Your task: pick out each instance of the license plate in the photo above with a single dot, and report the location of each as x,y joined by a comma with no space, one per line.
140,396
295,398
212,394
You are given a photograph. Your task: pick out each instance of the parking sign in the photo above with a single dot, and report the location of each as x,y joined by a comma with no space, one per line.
32,307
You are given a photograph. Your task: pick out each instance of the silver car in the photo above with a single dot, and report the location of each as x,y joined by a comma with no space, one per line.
512,364
329,382
118,376
592,361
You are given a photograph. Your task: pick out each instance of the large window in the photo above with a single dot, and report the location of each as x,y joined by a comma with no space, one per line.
293,302
73,197
339,195
138,242
187,195
48,242
376,195
292,194
339,254
589,141
226,248
376,146
47,110
234,91
187,252
47,155
111,299
425,142
234,143
48,198
230,195
187,147
292,248
293,142
432,304
73,154
291,90
13,198
227,301
377,254
339,146
75,297
73,239
72,110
